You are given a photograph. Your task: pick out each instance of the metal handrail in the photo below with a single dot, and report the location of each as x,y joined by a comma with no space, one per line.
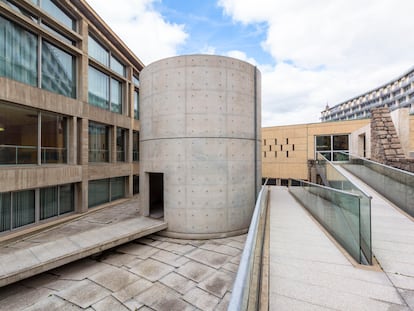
241,287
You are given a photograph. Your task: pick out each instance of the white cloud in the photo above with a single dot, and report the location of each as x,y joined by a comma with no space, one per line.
143,29
242,56
326,51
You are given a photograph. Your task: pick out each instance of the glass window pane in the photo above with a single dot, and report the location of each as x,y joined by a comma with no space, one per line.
58,70
120,144
18,137
98,84
66,199
323,143
339,156
340,142
116,96
53,149
135,80
97,51
136,105
48,202
18,56
52,9
5,209
98,142
98,192
135,146
117,66
135,187
58,34
117,188
23,208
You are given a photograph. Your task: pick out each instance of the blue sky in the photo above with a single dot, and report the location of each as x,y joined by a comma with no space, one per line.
208,27
310,53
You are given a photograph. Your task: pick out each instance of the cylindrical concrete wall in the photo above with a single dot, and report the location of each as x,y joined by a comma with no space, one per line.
200,127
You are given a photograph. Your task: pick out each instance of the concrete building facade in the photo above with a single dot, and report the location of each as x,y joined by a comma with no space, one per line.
69,128
200,142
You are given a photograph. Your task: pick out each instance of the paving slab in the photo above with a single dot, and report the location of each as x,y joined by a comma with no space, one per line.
73,240
109,303
312,273
113,278
128,292
218,284
53,302
178,283
195,271
152,270
212,259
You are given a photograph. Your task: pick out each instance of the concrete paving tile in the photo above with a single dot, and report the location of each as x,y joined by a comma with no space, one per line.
145,308
60,284
84,294
41,280
209,258
132,290
338,283
218,284
222,249
236,244
109,303
408,296
53,302
231,267
149,241
170,258
402,281
118,259
53,250
140,250
12,289
133,263
179,248
133,305
195,271
79,270
397,268
284,303
15,260
23,299
161,298
151,269
201,299
239,238
113,278
326,297
224,303
178,283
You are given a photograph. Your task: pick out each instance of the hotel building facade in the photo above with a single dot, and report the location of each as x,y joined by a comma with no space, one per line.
69,113
398,93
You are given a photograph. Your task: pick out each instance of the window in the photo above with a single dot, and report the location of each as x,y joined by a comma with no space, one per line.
58,70
17,209
105,190
53,138
20,132
52,9
55,201
135,146
136,105
104,92
135,80
120,144
17,59
135,182
99,53
98,142
333,147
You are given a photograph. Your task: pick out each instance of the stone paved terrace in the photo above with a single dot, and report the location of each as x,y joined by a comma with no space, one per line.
81,237
151,273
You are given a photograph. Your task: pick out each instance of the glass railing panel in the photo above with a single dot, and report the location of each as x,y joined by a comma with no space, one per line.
335,179
394,184
337,211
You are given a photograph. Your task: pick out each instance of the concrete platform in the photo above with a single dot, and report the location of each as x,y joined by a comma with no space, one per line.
74,240
308,272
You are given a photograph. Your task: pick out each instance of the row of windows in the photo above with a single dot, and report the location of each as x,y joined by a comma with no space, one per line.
332,147
19,59
30,59
105,190
21,208
29,136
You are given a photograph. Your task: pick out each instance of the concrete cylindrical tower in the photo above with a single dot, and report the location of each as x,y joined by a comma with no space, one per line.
200,144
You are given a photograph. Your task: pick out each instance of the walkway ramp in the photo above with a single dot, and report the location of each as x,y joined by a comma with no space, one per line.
308,271
392,239
82,237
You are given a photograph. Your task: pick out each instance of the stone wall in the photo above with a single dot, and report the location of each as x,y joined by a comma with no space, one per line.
385,144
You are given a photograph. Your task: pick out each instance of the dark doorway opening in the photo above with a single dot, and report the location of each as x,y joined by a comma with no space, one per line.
156,195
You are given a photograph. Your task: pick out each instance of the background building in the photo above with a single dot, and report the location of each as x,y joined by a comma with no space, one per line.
398,93
69,129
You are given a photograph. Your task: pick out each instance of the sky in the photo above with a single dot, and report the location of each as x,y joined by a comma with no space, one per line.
310,53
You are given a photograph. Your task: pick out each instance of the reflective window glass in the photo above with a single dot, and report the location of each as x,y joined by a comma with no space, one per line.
98,84
23,208
136,105
120,144
116,96
97,51
98,142
18,57
58,70
53,138
117,66
51,8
